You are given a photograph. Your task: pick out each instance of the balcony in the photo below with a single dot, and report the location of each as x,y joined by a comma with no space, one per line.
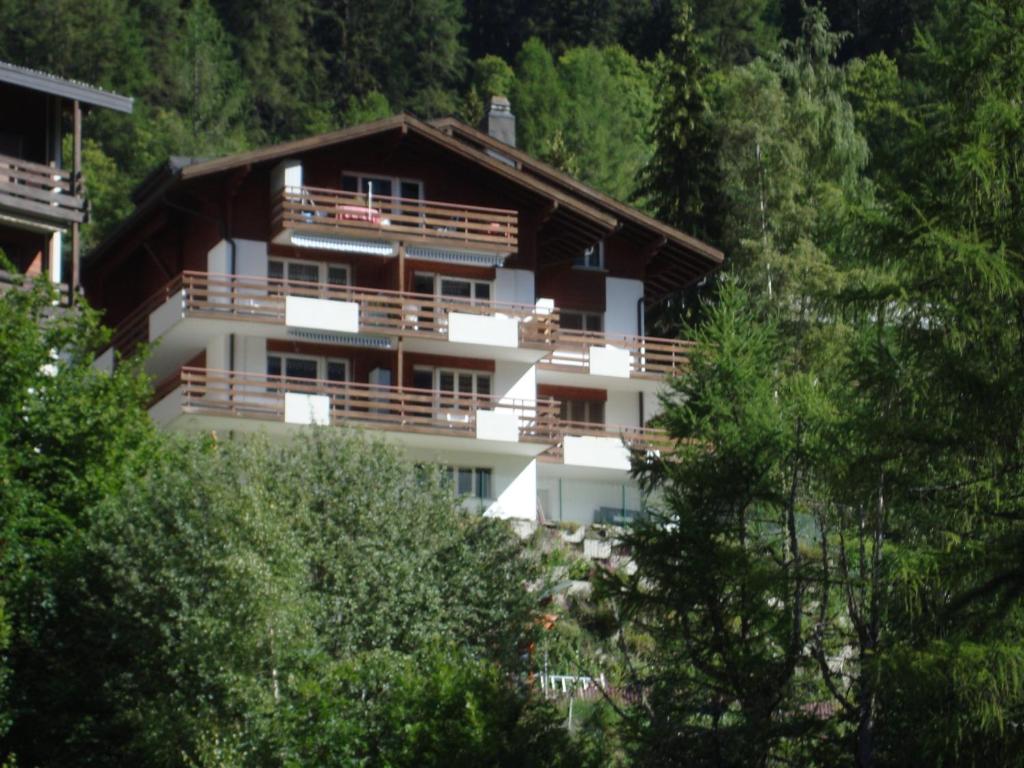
643,360
39,195
195,307
200,398
586,450
14,281
327,218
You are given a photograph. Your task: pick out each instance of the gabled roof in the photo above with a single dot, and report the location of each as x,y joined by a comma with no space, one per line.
35,80
563,180
676,258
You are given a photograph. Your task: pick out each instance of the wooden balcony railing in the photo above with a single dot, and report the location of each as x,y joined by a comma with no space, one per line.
636,438
330,212
395,313
651,358
10,281
255,396
39,191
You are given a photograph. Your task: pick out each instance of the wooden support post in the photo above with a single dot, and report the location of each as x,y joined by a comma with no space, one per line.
400,381
76,189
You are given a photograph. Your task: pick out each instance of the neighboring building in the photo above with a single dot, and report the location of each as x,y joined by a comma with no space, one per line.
423,281
41,195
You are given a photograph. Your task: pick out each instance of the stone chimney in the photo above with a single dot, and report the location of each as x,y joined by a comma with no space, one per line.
500,123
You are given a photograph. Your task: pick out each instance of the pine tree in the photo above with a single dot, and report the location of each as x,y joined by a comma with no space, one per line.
680,182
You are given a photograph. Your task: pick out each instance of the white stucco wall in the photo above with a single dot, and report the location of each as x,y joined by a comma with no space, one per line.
217,354
515,380
250,258
287,173
250,354
513,480
622,409
514,286
621,299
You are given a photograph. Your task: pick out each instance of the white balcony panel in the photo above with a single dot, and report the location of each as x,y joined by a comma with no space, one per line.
105,361
321,314
301,408
166,315
500,424
495,331
610,361
596,452
168,409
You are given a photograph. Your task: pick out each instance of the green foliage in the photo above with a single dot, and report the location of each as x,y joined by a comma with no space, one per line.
69,436
585,114
208,593
680,181
721,583
438,707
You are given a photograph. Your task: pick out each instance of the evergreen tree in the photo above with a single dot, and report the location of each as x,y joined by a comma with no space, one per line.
680,182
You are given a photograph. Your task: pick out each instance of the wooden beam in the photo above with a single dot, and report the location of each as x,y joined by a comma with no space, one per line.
76,181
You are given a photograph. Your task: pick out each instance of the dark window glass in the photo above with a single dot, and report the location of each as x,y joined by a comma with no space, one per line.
571,321
275,269
411,190
337,275
465,481
446,381
483,385
381,187
594,322
349,184
459,289
422,378
273,365
337,370
422,283
483,291
309,273
483,484
300,368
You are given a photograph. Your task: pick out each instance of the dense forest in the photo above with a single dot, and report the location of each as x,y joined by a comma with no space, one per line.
833,569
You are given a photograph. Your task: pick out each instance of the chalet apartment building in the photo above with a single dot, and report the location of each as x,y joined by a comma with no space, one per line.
42,201
426,282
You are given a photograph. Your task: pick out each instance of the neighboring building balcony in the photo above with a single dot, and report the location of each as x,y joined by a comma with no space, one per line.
586,450
39,196
330,219
199,398
11,281
197,307
629,362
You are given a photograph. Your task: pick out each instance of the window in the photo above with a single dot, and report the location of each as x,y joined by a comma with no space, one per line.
293,270
457,288
423,378
451,287
303,367
571,320
382,186
471,481
591,258
337,370
292,366
464,382
583,411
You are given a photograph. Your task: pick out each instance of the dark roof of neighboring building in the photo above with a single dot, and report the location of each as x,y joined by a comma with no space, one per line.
36,80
